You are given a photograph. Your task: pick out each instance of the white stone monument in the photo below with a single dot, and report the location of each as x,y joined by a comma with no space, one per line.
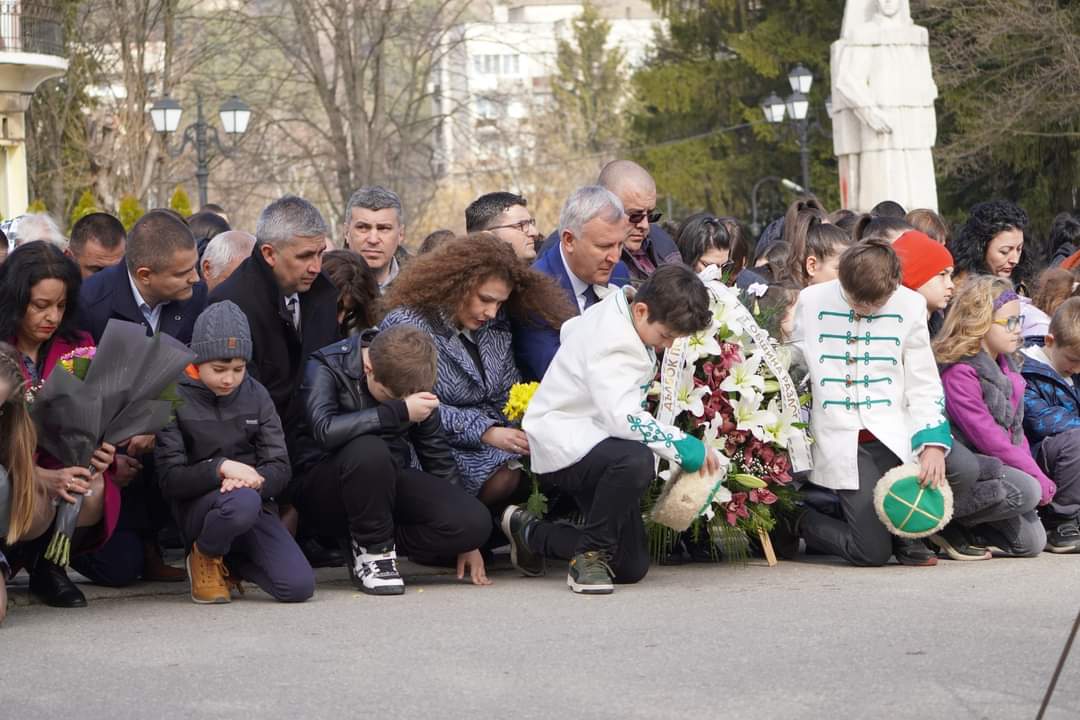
883,92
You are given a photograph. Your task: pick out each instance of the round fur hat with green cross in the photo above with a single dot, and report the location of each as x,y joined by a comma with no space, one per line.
909,510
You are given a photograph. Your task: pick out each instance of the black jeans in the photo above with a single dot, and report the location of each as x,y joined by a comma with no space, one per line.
361,490
859,537
607,485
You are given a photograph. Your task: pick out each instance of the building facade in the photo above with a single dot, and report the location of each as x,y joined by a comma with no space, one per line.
496,72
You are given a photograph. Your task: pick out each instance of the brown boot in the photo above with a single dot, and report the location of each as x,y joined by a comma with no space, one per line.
207,573
154,567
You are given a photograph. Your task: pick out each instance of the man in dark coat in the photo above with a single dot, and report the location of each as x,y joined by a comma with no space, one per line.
290,305
158,287
585,263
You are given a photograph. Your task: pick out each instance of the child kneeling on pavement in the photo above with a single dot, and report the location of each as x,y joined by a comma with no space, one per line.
220,463
370,411
590,436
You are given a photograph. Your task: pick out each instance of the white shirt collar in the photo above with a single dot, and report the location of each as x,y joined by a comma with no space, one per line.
577,283
152,314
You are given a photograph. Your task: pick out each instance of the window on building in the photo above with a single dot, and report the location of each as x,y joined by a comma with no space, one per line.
509,64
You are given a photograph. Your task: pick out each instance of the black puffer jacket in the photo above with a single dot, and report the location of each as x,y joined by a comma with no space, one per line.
209,430
340,407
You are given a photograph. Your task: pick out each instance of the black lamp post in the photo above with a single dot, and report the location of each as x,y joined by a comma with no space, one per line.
234,114
797,108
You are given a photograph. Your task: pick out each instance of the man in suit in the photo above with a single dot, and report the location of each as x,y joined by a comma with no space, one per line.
647,247
291,308
592,230
156,286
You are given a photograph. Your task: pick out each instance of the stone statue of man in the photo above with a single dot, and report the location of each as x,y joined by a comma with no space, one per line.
883,92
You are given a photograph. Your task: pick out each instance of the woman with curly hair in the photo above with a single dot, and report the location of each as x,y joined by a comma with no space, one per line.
464,295
991,242
358,291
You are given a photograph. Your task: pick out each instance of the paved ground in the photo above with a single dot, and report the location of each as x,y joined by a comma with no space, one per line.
802,640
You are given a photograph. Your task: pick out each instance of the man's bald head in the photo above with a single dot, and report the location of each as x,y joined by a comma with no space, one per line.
635,187
618,174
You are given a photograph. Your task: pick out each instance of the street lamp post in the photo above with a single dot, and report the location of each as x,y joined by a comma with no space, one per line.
796,107
234,115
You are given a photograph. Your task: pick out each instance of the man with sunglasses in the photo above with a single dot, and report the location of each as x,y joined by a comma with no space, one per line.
507,216
648,245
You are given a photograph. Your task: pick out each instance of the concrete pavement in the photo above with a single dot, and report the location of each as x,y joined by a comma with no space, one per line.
801,640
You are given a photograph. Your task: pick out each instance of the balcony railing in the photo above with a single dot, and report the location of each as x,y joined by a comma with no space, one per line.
31,27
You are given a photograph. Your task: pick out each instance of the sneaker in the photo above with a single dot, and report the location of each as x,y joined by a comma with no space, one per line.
374,569
1064,537
954,541
913,553
208,577
590,574
516,523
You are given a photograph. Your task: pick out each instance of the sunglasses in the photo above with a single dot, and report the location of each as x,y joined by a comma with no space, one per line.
637,216
1010,323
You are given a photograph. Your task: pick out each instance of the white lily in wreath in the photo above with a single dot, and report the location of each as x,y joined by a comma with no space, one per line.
744,378
690,398
723,308
703,344
750,416
782,427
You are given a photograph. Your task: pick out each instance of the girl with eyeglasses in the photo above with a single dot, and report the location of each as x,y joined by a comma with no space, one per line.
976,350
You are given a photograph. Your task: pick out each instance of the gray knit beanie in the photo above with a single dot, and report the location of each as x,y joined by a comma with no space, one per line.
221,333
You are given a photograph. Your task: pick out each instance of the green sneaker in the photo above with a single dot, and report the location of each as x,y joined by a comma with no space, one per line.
590,574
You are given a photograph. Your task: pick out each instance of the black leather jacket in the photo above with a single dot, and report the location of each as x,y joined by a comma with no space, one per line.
339,407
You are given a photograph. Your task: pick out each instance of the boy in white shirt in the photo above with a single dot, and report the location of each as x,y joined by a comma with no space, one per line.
590,436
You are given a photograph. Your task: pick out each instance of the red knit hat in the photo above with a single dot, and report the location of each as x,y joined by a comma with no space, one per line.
921,258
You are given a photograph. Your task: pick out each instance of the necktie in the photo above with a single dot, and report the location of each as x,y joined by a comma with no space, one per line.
591,298
293,306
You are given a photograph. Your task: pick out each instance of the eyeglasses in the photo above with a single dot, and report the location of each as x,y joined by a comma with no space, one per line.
1010,323
519,226
637,216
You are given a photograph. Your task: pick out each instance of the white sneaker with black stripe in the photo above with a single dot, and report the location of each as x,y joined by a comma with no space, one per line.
374,569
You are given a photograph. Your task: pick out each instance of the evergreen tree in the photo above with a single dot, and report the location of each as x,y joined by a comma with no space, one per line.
37,206
87,204
589,87
709,72
180,202
130,211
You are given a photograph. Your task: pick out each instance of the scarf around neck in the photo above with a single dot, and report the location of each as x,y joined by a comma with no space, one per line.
997,391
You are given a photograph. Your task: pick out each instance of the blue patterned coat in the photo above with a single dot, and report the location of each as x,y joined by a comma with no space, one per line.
470,403
1051,406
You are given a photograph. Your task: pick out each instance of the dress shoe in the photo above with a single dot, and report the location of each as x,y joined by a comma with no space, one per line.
320,556
155,569
51,585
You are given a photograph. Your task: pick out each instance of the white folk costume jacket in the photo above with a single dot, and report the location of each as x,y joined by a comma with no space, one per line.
875,373
595,389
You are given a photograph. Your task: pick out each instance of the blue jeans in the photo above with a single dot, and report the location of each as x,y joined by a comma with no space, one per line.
256,546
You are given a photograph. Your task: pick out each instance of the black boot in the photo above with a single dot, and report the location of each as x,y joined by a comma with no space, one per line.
51,585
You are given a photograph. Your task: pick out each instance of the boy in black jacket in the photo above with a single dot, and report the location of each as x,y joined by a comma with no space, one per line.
221,460
369,410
